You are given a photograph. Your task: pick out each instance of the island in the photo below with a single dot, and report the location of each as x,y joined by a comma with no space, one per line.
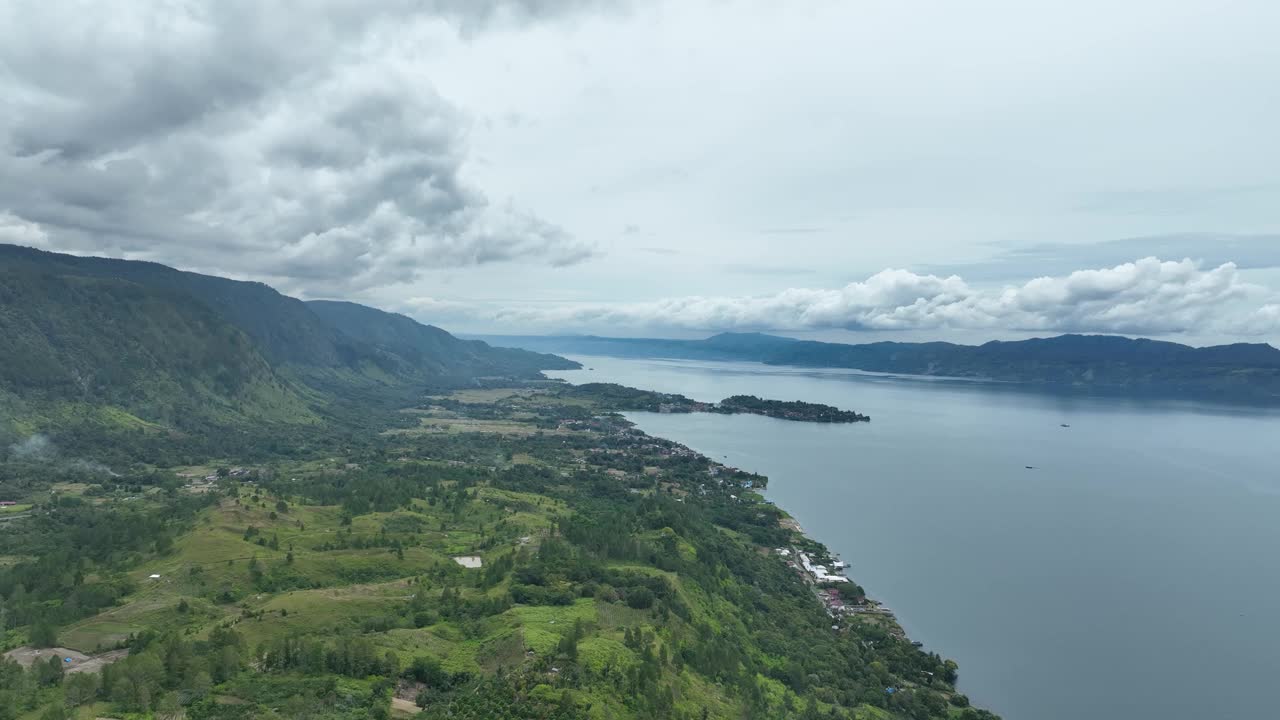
788,410
619,398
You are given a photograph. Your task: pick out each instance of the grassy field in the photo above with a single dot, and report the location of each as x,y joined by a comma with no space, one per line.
427,425
327,590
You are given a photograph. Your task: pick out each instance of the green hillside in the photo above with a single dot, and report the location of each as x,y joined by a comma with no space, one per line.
426,349
130,345
284,330
620,577
160,357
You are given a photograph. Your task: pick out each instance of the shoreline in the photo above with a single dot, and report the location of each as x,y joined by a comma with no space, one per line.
804,555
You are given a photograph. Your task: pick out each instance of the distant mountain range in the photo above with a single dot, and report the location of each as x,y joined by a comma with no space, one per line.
1091,362
136,344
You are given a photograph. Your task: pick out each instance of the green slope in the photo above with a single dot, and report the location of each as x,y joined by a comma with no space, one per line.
284,330
428,349
158,356
321,339
130,345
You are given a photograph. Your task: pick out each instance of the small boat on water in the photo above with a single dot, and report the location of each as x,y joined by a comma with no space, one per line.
1064,425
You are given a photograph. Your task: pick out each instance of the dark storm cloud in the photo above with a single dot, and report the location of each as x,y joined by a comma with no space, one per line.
288,142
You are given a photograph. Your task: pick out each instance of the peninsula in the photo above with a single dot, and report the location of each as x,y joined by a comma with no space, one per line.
621,398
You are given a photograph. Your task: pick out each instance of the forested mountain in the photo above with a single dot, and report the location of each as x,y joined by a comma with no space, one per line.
1107,363
162,356
138,344
282,328
427,348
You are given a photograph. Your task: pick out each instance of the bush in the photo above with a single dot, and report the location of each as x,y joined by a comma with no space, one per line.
640,598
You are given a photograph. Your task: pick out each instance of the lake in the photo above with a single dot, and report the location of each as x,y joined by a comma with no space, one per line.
1133,573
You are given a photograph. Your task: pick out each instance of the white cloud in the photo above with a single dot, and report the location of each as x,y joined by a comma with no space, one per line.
16,231
207,135
470,150
1148,296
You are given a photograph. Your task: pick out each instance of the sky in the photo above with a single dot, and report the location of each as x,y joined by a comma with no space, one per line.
822,168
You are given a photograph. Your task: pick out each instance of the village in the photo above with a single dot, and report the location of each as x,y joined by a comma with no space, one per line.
840,596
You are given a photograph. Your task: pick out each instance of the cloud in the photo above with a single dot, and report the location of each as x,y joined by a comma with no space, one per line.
39,448
207,133
33,447
16,231
1247,252
1145,297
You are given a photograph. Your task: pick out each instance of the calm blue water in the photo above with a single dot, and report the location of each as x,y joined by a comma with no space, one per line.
1133,574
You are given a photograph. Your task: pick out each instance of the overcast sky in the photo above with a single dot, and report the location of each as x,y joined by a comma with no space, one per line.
826,168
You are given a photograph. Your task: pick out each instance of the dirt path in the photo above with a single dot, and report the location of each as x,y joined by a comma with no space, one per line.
73,661
405,706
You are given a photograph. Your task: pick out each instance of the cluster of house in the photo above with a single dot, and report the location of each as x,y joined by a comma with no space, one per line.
819,573
831,598
213,477
595,423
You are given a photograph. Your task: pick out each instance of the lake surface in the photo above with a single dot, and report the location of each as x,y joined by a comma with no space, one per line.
1133,574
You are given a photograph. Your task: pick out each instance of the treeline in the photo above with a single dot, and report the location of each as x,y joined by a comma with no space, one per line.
788,410
75,554
163,674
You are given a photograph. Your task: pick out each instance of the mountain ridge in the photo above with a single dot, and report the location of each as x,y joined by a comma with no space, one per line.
145,345
1239,371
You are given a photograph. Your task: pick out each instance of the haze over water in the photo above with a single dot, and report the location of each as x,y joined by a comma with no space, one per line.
1133,573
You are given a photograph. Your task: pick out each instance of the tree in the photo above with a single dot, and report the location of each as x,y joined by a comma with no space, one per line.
427,671
226,663
43,634
169,708
200,686
296,707
390,664
137,682
54,712
49,672
80,688
8,705
640,598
